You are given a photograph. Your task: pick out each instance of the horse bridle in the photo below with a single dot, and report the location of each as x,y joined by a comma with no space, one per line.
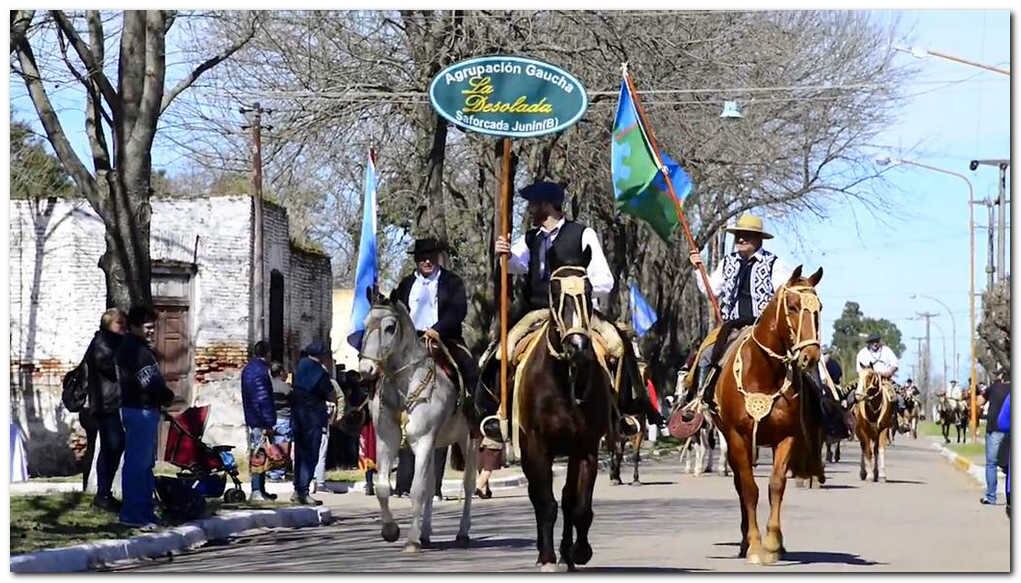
809,303
572,287
380,361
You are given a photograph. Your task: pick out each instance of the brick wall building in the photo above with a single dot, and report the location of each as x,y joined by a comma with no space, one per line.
201,252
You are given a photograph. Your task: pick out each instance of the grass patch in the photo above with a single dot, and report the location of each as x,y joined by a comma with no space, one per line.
972,451
350,476
77,478
59,520
64,519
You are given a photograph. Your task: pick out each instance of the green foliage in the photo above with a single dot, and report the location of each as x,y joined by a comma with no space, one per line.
847,339
35,173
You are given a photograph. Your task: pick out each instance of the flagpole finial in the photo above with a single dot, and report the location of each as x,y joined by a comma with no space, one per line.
623,68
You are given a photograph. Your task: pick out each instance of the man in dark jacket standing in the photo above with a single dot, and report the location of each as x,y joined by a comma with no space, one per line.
260,413
995,395
311,390
143,393
104,410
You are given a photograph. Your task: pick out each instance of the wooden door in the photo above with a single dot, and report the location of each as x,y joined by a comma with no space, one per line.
173,349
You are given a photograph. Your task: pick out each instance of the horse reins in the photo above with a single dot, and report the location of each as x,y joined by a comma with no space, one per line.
809,303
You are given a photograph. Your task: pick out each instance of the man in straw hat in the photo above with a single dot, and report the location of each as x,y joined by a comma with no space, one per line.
745,282
879,358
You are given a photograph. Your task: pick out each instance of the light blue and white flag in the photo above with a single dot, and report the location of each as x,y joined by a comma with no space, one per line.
367,269
642,314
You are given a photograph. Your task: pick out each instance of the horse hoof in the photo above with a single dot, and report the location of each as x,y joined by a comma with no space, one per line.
412,548
462,541
426,542
882,479
770,558
549,568
581,554
615,482
391,532
754,559
634,483
862,475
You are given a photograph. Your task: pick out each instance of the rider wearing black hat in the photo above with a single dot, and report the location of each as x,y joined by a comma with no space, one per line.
438,303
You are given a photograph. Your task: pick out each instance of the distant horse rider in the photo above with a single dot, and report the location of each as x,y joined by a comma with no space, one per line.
880,359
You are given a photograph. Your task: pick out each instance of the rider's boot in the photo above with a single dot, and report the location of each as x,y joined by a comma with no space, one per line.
708,382
487,400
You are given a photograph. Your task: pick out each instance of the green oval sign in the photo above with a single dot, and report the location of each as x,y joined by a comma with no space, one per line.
511,97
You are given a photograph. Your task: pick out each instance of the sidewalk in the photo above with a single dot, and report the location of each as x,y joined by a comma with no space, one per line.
88,556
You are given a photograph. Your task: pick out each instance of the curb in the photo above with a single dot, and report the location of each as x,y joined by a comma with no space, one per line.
975,471
88,556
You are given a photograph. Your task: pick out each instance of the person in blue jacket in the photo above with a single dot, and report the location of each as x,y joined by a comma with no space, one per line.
260,413
311,390
1003,423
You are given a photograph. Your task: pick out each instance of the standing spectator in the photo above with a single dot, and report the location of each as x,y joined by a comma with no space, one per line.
143,393
995,396
332,408
1003,423
282,434
102,417
312,390
260,415
490,460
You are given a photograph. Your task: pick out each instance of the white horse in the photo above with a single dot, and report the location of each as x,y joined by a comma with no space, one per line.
414,397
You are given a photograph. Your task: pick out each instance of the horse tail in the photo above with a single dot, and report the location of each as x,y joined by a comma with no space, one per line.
457,457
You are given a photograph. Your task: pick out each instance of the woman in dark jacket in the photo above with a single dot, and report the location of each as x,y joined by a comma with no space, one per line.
102,417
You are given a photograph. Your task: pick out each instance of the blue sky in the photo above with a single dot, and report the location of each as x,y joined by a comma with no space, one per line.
922,244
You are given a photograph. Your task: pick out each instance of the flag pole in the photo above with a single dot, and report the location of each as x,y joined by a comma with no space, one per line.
647,129
503,206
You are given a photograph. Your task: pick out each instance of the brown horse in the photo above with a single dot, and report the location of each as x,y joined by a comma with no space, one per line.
765,400
874,418
565,405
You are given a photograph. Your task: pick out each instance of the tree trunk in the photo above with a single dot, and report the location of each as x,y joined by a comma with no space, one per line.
430,214
126,262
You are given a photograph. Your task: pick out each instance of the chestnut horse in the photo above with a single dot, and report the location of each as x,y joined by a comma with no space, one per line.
874,418
564,407
765,400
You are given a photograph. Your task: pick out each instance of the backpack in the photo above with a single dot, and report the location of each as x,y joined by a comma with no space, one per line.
76,388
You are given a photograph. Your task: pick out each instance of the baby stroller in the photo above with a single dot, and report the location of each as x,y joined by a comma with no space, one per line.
203,467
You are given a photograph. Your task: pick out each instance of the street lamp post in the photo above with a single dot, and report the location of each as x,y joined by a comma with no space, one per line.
971,291
953,329
921,53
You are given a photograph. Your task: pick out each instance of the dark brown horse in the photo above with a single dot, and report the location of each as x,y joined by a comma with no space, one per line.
764,376
564,407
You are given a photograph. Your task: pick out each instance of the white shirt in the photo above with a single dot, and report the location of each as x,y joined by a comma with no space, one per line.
781,273
955,392
422,300
599,274
883,361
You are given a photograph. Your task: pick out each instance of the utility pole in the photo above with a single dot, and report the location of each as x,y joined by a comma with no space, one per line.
1001,202
991,237
928,345
258,326
923,371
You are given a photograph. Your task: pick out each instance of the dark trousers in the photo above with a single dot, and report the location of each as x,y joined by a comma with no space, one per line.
111,448
406,470
307,425
91,426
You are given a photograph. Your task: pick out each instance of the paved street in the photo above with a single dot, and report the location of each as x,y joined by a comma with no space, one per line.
926,518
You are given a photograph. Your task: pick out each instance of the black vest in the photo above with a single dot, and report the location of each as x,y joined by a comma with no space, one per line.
566,248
